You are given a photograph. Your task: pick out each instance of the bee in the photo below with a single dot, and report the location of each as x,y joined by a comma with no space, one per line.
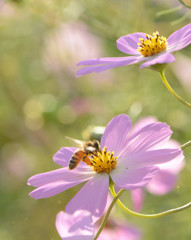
83,153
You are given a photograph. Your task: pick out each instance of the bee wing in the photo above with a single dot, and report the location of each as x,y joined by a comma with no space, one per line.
77,142
91,149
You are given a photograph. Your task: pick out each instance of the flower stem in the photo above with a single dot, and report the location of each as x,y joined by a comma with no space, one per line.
108,213
157,215
172,91
168,11
185,145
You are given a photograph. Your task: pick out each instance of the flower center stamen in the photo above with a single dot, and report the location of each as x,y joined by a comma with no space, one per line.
103,161
152,44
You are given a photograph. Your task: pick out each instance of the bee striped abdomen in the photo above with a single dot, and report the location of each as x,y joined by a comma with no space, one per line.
76,158
86,160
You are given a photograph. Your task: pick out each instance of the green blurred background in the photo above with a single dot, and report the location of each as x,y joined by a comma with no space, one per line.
42,102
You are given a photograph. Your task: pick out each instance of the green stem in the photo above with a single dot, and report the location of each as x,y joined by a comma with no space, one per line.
168,11
108,213
185,145
157,215
172,91
181,19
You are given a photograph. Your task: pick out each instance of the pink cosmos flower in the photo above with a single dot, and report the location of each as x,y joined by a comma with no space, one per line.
143,48
166,179
68,44
129,159
79,226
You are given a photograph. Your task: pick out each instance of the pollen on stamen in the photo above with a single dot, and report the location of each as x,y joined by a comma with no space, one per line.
103,161
152,44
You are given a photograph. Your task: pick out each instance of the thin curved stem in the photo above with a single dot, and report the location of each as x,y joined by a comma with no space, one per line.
181,19
172,90
108,213
168,11
185,145
157,215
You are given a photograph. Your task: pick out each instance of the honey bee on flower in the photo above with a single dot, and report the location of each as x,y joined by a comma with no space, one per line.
127,158
84,153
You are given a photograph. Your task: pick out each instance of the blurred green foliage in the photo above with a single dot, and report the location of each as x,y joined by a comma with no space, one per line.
42,102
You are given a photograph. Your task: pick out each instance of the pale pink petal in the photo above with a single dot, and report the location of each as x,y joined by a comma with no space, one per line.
116,133
129,43
63,156
146,138
101,61
75,227
57,181
149,158
172,144
137,197
179,39
160,58
142,123
62,174
162,183
100,68
174,166
52,189
177,164
131,179
92,196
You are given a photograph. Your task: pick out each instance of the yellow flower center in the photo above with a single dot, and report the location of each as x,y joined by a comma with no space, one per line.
103,161
152,45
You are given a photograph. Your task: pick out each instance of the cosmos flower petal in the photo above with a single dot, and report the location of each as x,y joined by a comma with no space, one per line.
92,196
106,60
158,59
77,226
116,63
149,158
52,189
129,43
63,156
162,183
179,39
137,197
137,153
131,179
142,123
62,174
177,164
146,138
116,133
